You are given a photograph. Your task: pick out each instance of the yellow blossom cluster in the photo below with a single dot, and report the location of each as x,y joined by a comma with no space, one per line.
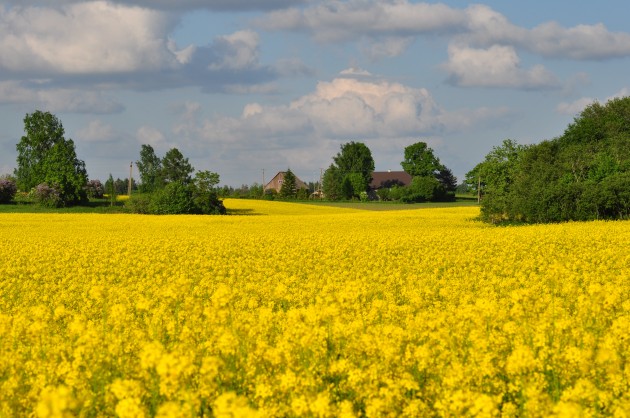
286,310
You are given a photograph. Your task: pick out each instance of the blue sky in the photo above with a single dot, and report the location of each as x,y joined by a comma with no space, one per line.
239,86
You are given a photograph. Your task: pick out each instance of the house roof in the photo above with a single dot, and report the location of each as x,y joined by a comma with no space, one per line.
276,182
389,178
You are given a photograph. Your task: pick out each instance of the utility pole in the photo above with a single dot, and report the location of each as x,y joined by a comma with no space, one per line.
321,177
129,185
263,183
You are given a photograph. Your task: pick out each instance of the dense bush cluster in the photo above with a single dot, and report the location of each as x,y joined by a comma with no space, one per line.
8,189
582,175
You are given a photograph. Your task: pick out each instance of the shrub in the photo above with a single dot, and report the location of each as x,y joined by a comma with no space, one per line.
139,203
8,189
48,196
95,189
174,198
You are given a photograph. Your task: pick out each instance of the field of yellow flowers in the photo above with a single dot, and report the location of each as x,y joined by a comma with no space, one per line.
294,310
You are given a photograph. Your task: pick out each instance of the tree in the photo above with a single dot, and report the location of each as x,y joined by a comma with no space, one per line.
584,174
332,183
175,167
45,156
493,178
150,168
420,161
205,196
289,185
447,179
8,189
110,188
355,157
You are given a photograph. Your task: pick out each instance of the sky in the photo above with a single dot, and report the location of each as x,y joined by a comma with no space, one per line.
247,88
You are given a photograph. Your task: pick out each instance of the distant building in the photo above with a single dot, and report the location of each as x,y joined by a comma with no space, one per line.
278,179
389,179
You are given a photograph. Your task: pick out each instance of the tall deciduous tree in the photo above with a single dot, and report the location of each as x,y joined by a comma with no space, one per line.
175,167
150,168
332,183
420,161
355,158
45,156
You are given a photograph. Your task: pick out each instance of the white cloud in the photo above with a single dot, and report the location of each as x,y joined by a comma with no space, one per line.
96,131
389,26
497,66
151,136
57,99
88,37
577,106
337,111
238,51
179,5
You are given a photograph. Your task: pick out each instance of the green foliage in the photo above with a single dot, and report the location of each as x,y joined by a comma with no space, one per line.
496,175
332,182
111,190
45,156
582,175
205,196
288,190
198,197
420,161
355,157
174,198
176,168
150,168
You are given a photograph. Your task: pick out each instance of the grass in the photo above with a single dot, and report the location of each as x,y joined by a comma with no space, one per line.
94,206
105,206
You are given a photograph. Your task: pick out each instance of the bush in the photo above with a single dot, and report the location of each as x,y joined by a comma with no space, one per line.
139,203
174,198
95,189
48,196
8,189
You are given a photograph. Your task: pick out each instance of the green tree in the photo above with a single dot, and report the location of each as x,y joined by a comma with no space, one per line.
332,182
45,156
110,189
150,168
288,190
175,167
205,195
420,161
495,175
355,157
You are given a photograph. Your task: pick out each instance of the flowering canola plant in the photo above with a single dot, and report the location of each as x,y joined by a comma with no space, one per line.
298,310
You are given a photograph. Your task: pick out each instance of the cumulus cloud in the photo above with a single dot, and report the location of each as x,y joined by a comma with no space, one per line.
577,106
96,131
388,27
497,66
114,46
151,136
92,37
342,109
180,5
236,51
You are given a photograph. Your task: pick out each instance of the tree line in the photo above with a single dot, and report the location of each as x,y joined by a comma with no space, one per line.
350,175
584,174
49,173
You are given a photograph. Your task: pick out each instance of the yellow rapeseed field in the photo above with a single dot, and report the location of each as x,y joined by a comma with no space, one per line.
294,310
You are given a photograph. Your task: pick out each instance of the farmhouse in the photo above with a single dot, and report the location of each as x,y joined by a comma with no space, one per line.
278,179
381,179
